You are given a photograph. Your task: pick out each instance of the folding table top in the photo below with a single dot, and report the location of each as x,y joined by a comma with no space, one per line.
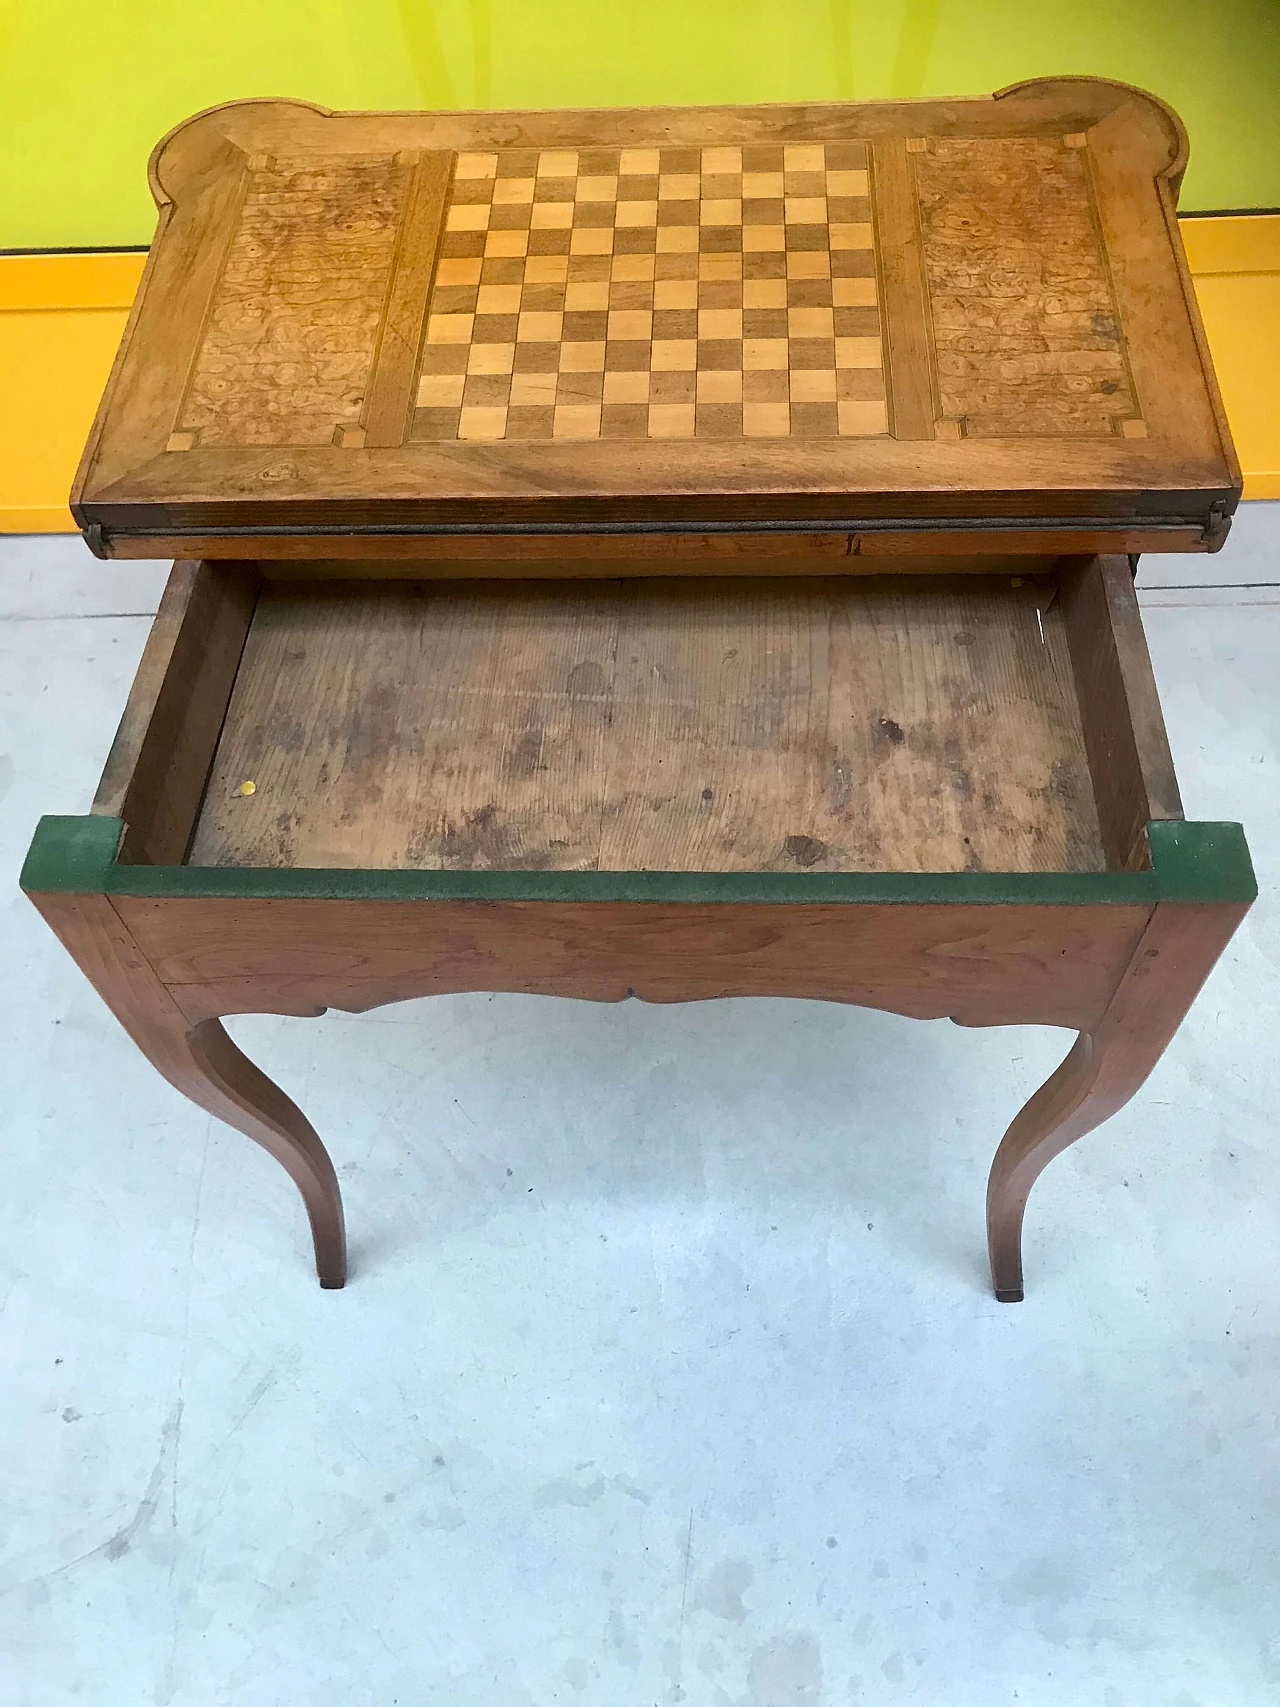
925,318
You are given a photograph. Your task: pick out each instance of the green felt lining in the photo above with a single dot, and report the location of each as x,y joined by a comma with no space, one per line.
1190,862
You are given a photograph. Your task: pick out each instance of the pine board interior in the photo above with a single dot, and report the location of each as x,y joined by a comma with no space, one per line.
922,724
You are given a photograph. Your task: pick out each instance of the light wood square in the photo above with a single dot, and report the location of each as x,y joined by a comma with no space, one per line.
596,189
585,294
558,163
862,417
582,358
853,293
813,385
719,322
630,323
674,355
758,238
475,166
533,388
499,299
766,420
804,157
719,266
679,187
764,186
631,269
513,190
850,236
482,422
720,386
441,390
577,421
506,243
546,269
539,327
677,239
764,293
631,214
459,272
675,293
642,162
449,328
468,216
721,160
764,352
852,183
858,352
720,213
491,358
808,264
626,387
671,420
806,210
551,216
810,323
591,241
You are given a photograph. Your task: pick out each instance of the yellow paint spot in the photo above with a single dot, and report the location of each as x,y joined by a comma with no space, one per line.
248,788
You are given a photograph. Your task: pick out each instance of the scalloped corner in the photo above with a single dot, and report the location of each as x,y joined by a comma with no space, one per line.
207,120
1170,122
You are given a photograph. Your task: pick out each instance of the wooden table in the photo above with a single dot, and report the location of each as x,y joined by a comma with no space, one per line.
674,553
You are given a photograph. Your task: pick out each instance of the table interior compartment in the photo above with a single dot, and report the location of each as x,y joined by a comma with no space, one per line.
902,723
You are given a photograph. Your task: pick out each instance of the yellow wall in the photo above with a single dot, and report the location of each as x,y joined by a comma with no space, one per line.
61,317
86,86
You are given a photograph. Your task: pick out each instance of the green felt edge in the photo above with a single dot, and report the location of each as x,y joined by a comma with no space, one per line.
1191,862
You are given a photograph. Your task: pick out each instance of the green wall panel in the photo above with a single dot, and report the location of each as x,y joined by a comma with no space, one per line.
86,86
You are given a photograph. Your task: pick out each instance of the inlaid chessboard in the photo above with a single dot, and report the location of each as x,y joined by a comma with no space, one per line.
655,293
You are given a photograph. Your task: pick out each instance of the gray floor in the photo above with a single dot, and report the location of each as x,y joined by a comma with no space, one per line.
668,1372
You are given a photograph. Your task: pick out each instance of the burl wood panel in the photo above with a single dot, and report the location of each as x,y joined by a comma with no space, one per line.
913,725
1026,333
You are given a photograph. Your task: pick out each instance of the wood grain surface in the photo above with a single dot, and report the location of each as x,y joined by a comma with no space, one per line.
904,725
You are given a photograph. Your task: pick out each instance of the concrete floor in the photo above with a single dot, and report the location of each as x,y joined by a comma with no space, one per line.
668,1372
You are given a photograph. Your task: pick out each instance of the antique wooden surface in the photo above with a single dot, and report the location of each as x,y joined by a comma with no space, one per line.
916,317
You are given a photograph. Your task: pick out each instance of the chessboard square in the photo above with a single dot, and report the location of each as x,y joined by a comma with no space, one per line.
551,216
677,213
762,184
491,358
762,157
459,272
475,166
673,387
721,160
513,190
598,162
766,420
549,244
764,322
579,388
587,293
811,293
599,189
720,267
669,323
720,293
851,236
848,210
630,323
635,240
494,328
624,420
720,239
810,323
814,420
627,293
853,264
486,390
639,162
554,190
813,385
530,421
629,356
846,156
517,162
454,299
860,385
468,216
455,245
725,387
858,352
675,293
804,157
718,421
593,216
681,160
636,213
576,421
720,212
804,184
720,186
812,353
534,389
506,243
537,358
499,299
806,237
862,418
808,264
582,357
503,269
540,326
435,424
764,266
764,353
761,237
627,387
511,216
771,385
585,241
670,355
854,293
589,269
857,322
586,326
444,358
684,266
763,210
679,187
764,293
847,183
450,328
483,423
631,269
441,390
543,298
558,163
719,323
717,355
677,239
671,420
